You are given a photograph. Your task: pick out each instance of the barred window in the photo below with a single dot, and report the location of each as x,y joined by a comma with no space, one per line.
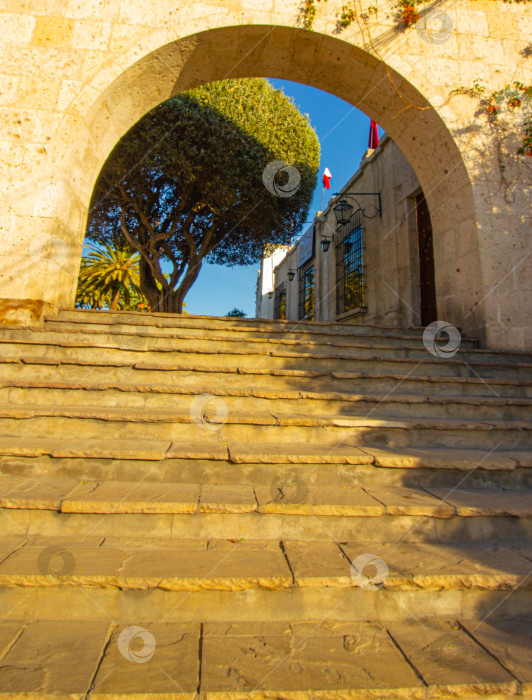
306,293
279,301
350,266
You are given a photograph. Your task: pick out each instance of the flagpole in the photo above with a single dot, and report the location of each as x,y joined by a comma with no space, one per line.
322,193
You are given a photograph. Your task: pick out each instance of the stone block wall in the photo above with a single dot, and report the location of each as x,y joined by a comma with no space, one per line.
76,75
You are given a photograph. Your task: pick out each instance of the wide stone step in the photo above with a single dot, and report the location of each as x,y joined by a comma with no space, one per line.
219,580
288,497
209,380
185,462
304,660
282,338
142,340
280,510
235,325
240,400
406,361
260,428
250,563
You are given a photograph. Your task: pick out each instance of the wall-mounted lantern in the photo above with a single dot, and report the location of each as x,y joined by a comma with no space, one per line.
344,210
325,243
291,274
270,295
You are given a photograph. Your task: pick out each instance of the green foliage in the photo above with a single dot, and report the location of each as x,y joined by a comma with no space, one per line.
407,12
109,278
349,14
185,183
236,312
515,99
308,13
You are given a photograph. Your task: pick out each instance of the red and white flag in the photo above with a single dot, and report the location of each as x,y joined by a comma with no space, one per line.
327,178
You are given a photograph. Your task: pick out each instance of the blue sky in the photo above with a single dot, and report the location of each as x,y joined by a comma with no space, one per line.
343,133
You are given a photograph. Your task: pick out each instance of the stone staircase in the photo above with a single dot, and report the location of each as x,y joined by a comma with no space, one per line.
216,508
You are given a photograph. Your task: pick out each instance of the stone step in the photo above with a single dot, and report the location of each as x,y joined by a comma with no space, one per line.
278,510
240,400
148,339
296,336
18,343
259,464
280,497
82,318
328,431
260,379
211,580
316,659
38,524
281,338
135,335
225,565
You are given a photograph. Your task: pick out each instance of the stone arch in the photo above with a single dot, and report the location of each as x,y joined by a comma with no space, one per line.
320,61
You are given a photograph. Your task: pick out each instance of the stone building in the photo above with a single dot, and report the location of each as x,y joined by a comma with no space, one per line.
376,268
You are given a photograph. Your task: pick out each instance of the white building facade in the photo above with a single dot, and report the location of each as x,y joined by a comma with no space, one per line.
374,266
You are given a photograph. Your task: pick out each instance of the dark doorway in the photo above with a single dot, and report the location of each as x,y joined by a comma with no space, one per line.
426,262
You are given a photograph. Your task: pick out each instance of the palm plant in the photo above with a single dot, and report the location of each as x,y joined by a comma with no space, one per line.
109,278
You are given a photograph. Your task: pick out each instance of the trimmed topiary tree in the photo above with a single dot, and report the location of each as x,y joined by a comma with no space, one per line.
200,177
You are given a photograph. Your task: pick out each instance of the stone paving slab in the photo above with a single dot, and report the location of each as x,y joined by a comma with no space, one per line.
23,446
10,544
83,539
146,658
437,566
43,493
273,660
449,661
154,450
441,458
131,497
524,549
151,543
297,453
291,495
228,566
474,502
523,457
223,565
227,498
9,632
59,563
318,564
56,658
510,642
189,449
405,501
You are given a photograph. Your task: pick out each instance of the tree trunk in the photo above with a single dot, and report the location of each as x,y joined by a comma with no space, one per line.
149,287
188,280
170,302
115,300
